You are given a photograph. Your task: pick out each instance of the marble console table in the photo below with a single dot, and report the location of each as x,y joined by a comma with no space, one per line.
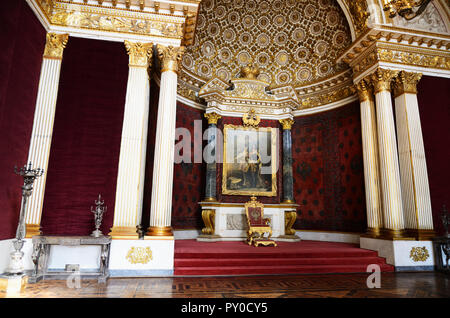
41,252
228,222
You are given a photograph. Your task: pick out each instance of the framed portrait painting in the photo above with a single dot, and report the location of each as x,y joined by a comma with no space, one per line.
250,161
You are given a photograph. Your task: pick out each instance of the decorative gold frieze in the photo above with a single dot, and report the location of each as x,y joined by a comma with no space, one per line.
365,92
251,119
212,118
406,82
419,254
286,123
381,79
170,57
140,54
139,255
327,97
55,45
111,19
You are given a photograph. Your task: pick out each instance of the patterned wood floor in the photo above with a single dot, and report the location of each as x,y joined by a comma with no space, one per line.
393,285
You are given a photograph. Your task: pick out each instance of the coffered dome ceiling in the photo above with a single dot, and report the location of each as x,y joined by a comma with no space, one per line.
293,42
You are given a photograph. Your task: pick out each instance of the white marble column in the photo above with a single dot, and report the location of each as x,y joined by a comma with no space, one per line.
41,135
389,166
413,167
370,159
131,173
161,206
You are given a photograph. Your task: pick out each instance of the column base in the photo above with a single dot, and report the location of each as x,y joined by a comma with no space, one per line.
159,231
421,235
210,199
12,284
372,233
124,233
288,201
32,230
395,235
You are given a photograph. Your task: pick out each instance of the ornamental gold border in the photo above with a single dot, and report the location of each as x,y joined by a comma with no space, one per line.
116,20
274,150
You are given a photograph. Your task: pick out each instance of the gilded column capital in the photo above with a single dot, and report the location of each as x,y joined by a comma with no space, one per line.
406,82
212,118
287,123
365,92
54,45
170,57
381,79
140,54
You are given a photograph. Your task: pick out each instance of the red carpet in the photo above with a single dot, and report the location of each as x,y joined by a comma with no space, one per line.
305,257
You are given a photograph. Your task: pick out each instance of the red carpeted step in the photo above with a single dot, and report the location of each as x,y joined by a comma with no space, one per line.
265,270
193,262
305,257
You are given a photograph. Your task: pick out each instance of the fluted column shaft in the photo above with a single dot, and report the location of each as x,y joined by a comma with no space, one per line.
42,132
413,168
162,186
288,179
370,159
131,172
211,168
389,166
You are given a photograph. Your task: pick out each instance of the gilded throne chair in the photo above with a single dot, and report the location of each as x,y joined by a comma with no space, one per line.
258,226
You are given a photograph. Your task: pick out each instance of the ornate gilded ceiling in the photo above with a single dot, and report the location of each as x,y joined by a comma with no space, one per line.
292,42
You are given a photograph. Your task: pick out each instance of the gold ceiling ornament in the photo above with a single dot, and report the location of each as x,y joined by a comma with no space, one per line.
170,57
405,8
54,45
406,82
359,14
139,255
419,254
251,119
286,123
250,72
140,54
381,79
212,118
365,92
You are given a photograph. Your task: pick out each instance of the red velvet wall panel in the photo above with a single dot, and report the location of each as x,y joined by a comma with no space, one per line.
328,171
434,107
86,141
188,177
23,39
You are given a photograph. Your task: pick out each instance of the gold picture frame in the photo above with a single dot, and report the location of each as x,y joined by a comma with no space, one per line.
250,161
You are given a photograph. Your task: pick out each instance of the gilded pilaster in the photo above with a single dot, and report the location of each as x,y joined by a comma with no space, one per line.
161,206
131,173
389,166
413,168
44,115
370,158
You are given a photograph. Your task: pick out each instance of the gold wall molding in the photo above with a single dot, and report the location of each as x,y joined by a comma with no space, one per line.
212,118
170,57
140,54
139,255
55,44
419,254
287,123
406,82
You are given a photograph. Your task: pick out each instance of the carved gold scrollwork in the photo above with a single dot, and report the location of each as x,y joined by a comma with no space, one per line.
289,220
55,45
286,123
208,218
251,119
139,255
406,82
212,118
381,79
419,254
170,57
140,54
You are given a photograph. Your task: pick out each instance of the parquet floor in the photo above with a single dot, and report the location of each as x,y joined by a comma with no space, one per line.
393,285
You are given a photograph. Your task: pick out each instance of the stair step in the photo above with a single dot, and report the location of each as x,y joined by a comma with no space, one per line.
286,269
304,254
186,262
